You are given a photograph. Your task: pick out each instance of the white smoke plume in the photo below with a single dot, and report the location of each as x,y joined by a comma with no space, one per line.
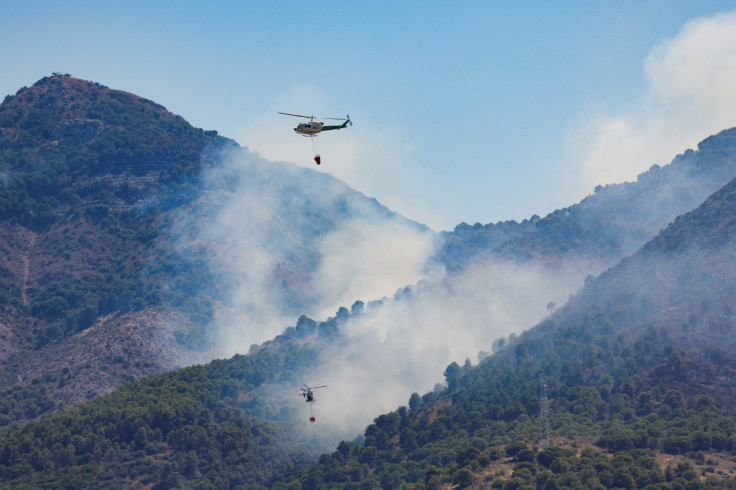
690,96
405,337
369,259
358,250
404,344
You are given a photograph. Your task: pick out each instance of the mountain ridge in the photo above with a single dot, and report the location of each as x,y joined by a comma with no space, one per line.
104,201
609,224
705,236
629,402
625,411
628,388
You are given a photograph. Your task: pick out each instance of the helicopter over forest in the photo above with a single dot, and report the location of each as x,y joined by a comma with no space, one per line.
308,395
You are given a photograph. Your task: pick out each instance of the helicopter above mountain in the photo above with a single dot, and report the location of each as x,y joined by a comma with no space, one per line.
313,128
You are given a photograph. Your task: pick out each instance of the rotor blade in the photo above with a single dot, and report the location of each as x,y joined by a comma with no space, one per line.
296,115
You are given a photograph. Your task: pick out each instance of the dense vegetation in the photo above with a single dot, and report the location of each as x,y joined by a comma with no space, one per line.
93,175
92,178
63,130
105,203
615,407
78,159
176,429
683,279
628,413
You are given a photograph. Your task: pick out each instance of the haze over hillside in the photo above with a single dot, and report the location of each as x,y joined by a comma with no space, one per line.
639,374
135,243
683,278
634,398
506,277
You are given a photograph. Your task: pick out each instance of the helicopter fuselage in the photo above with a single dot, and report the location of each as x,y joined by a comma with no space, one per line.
311,128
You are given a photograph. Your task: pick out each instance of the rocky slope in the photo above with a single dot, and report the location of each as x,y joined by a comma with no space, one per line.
110,267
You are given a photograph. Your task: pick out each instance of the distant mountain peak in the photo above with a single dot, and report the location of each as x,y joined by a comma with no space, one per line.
94,129
125,232
72,95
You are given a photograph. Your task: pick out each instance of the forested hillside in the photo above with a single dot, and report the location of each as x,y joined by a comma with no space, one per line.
639,387
90,176
595,401
110,269
132,243
684,278
235,423
620,414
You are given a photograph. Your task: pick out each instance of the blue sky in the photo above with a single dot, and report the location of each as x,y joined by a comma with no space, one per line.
464,110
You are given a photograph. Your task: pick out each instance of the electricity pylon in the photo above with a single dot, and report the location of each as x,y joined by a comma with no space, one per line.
544,438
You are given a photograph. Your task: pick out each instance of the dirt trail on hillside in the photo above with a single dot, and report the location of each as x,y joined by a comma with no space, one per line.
26,260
